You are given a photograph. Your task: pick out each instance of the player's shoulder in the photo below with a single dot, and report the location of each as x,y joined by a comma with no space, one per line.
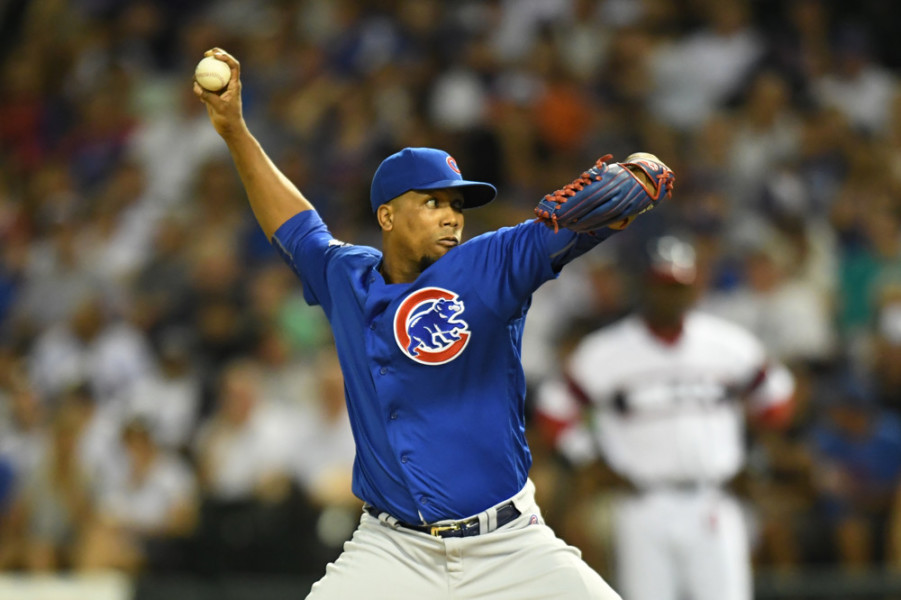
305,237
502,233
710,324
484,246
611,337
613,346
348,251
722,333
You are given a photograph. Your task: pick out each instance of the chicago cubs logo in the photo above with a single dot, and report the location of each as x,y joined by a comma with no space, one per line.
453,165
428,327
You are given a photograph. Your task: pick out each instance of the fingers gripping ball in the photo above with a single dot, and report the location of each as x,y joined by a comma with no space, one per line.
608,194
212,74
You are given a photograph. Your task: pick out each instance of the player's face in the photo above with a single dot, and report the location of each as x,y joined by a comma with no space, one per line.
667,302
427,224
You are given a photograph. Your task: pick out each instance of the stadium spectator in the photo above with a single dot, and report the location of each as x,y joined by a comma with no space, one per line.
54,501
109,354
857,470
861,89
698,73
242,449
148,503
788,315
167,400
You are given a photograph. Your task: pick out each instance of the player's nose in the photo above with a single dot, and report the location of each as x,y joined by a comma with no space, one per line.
451,217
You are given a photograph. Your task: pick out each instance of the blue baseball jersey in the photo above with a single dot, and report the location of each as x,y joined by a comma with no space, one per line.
432,373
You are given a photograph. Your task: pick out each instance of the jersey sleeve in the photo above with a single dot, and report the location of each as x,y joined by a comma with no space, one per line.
562,248
558,416
769,385
303,242
514,261
772,391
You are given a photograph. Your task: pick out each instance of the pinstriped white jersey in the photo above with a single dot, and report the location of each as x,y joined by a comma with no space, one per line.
671,412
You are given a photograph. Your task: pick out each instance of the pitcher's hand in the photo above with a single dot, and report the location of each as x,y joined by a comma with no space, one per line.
224,106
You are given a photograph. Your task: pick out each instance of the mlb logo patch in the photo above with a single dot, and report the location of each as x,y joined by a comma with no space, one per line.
533,520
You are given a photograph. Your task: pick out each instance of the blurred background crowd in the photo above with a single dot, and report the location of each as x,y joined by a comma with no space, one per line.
169,403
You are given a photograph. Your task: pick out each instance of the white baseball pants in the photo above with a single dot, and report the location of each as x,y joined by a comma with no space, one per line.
523,560
682,545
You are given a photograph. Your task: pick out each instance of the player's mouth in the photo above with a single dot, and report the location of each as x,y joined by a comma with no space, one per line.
448,242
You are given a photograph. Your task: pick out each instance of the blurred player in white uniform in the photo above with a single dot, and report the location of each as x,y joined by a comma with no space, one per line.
668,391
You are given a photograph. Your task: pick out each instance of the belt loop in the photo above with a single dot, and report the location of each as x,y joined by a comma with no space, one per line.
524,500
483,521
382,516
491,515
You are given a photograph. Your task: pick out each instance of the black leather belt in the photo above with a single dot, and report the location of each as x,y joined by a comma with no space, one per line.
465,528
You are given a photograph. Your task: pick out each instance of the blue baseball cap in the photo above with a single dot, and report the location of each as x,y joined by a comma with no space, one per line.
424,169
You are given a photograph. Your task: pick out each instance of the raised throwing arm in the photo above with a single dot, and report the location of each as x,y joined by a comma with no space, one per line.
273,198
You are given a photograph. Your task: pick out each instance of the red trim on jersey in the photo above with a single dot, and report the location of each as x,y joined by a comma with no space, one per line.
576,390
757,381
775,416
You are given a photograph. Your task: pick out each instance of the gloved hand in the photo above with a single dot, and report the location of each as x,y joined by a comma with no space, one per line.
608,195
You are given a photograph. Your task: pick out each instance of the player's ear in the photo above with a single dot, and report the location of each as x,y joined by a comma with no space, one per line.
385,215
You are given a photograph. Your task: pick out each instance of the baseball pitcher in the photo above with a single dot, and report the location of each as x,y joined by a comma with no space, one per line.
428,334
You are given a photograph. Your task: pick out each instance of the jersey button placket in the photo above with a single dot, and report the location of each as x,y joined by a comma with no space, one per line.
383,371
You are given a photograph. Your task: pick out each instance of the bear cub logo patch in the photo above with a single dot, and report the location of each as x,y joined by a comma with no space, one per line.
428,327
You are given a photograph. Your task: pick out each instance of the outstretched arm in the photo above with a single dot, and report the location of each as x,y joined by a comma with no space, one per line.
273,198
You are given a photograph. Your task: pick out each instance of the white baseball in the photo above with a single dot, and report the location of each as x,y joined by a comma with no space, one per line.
212,74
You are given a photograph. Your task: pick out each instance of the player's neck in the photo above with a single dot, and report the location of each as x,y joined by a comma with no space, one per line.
398,271
667,332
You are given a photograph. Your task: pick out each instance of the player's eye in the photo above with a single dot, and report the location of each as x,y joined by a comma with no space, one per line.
431,202
457,204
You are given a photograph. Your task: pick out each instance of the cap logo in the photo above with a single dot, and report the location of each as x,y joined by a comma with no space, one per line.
453,165
428,327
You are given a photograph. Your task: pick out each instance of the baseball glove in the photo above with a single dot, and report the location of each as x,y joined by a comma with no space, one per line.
608,194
